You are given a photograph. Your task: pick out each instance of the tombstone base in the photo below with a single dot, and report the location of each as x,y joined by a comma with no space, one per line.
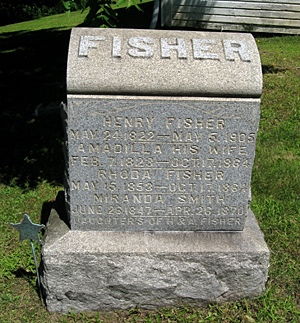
101,271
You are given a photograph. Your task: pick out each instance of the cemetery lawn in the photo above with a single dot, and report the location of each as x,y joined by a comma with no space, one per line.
33,60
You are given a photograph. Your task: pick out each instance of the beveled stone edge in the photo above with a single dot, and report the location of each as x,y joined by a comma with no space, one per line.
163,98
60,239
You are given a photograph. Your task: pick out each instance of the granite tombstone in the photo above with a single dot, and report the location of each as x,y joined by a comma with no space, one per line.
175,161
160,132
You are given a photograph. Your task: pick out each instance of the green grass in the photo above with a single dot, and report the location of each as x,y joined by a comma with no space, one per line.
62,21
67,21
32,70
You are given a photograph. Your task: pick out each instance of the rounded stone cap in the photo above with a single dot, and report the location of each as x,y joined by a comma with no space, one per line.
163,62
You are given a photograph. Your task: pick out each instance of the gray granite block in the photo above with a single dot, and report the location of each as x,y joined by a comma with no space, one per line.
92,271
163,62
159,163
160,133
160,129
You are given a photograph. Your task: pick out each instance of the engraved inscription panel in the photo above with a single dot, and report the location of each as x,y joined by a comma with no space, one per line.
161,165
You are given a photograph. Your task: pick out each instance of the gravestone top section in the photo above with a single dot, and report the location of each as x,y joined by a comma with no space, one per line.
160,62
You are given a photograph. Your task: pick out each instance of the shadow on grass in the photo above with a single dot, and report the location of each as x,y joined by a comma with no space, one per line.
33,71
22,273
46,210
58,206
271,69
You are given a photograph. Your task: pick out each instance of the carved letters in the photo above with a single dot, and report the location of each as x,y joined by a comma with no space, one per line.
160,169
142,47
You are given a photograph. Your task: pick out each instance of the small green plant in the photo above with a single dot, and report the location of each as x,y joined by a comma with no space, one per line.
72,5
102,12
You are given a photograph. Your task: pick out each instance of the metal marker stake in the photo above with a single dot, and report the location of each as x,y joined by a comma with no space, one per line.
29,230
36,267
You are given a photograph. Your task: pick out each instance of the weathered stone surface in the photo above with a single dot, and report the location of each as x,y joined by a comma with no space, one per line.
160,139
168,62
91,271
160,164
180,161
